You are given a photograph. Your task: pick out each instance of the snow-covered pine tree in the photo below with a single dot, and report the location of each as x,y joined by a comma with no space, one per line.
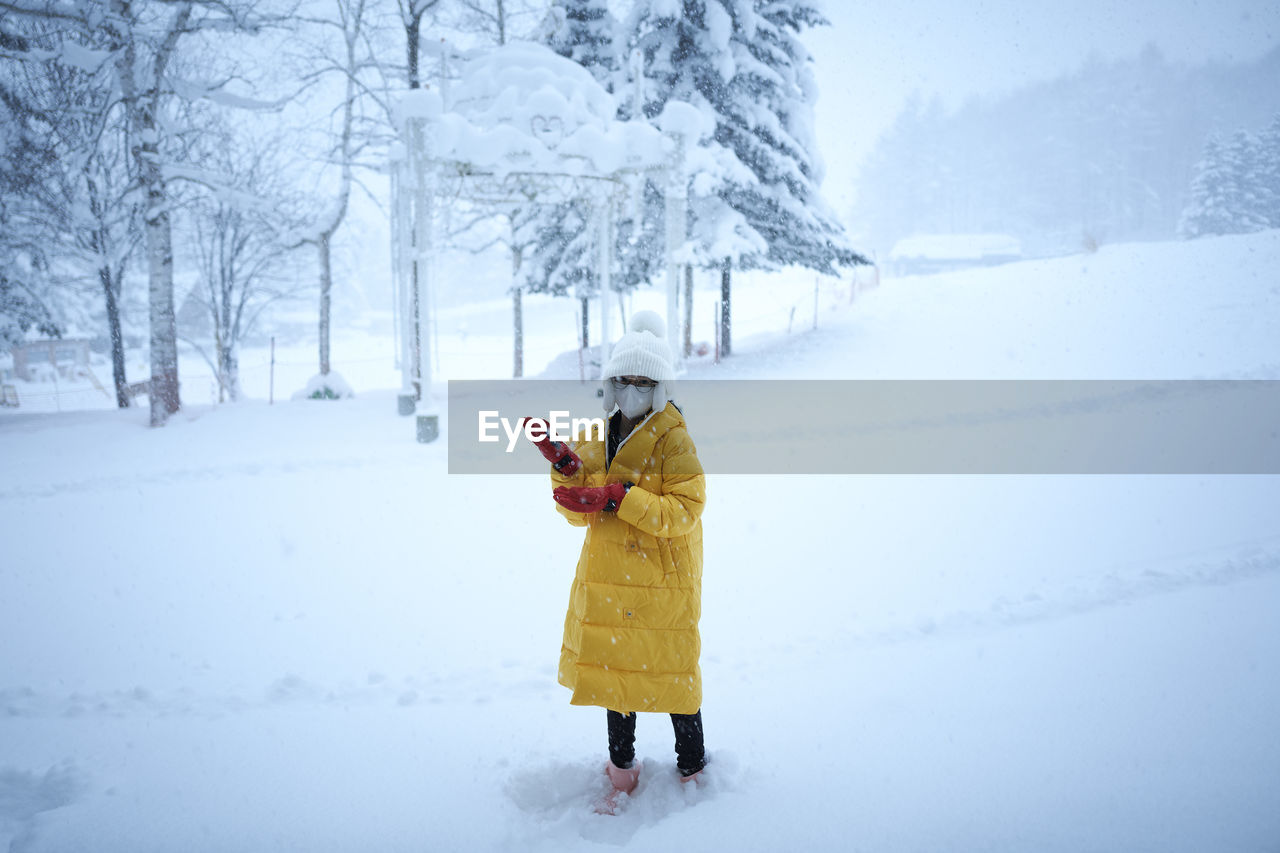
685,54
1268,172
1225,198
1246,149
742,62
767,121
583,30
560,239
1205,213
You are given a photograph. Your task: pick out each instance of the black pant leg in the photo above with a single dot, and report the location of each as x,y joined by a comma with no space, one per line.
691,754
622,738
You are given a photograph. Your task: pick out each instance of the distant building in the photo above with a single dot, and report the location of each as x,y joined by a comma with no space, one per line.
35,360
930,253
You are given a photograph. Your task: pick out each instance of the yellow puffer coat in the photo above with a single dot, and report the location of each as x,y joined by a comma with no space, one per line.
631,634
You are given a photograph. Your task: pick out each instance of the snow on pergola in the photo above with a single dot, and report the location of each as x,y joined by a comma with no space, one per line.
524,125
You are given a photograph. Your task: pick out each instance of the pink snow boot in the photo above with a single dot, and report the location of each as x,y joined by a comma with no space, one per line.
698,776
694,779
623,781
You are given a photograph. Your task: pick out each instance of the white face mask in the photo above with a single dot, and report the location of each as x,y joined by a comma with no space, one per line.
634,401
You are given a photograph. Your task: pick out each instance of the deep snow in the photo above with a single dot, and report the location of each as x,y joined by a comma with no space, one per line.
286,627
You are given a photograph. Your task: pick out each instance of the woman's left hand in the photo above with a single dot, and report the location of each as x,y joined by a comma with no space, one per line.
590,498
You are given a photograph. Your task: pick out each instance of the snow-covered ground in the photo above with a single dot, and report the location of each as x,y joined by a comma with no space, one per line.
286,627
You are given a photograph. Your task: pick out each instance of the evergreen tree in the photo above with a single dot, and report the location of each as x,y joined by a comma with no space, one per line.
768,123
743,62
583,30
686,54
1268,172
755,200
1224,193
560,241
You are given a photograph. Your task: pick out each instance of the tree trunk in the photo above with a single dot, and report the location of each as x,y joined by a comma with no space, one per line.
725,322
229,370
411,29
219,361
141,108
351,33
326,284
117,337
688,310
586,322
164,328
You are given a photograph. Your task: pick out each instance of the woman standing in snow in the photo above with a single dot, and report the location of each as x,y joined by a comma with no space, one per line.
631,634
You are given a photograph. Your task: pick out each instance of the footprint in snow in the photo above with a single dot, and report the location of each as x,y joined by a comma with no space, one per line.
25,796
559,799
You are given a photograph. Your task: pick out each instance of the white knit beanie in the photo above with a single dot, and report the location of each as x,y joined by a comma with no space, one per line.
642,351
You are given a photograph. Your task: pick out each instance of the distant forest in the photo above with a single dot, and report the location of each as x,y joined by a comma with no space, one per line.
1105,155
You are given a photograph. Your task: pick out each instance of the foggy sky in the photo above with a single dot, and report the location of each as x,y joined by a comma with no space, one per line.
876,54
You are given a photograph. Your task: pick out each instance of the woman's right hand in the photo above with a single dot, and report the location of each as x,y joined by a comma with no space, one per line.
557,453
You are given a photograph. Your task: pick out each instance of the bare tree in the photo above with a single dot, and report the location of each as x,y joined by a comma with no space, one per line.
25,165
94,204
144,38
85,204
499,21
143,48
238,229
349,20
490,15
491,19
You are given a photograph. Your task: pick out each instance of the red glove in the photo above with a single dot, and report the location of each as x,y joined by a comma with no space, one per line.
591,498
557,453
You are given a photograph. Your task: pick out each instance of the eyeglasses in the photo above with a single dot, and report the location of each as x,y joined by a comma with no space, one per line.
620,382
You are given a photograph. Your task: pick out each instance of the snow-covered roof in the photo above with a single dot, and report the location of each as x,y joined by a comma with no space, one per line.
957,247
522,107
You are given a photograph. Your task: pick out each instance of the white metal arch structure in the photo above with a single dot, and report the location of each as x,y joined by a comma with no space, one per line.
524,125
